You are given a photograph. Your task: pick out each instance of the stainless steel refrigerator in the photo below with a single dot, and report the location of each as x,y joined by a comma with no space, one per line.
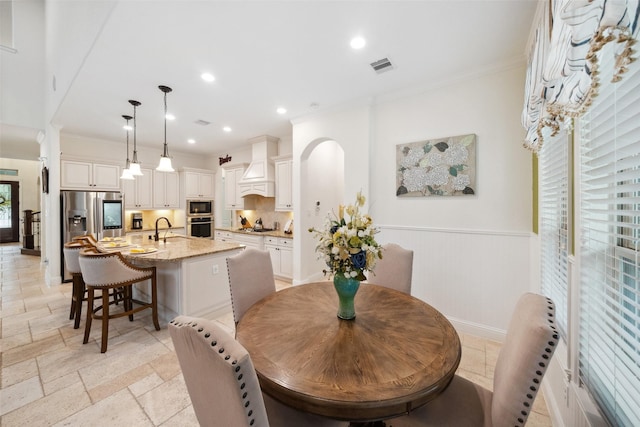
90,212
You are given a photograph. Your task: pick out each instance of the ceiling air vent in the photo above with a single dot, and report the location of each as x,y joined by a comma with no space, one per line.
202,122
382,65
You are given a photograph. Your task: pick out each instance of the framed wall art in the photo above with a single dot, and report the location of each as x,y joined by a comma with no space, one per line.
437,167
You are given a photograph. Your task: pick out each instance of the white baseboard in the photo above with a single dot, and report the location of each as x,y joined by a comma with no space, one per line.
478,330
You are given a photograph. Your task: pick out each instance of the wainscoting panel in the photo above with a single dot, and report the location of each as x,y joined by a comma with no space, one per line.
474,277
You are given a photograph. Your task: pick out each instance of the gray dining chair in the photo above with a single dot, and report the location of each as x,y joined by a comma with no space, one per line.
250,279
530,342
395,268
222,381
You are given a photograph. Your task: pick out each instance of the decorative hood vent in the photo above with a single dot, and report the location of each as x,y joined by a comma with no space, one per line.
259,178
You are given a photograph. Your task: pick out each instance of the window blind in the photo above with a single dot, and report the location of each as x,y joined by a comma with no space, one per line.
609,341
554,209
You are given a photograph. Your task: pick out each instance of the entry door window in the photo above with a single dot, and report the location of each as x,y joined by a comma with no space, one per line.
9,211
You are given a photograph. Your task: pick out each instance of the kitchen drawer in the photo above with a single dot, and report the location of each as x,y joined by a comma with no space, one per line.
285,242
270,240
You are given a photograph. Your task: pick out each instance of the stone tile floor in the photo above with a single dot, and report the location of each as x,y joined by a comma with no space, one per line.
49,377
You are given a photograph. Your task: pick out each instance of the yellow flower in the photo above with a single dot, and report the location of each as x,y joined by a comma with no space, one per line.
360,199
341,212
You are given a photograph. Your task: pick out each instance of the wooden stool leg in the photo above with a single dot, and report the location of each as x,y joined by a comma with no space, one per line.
128,302
73,297
78,300
154,302
105,320
87,325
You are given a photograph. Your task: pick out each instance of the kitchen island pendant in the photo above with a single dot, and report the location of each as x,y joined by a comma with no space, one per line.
165,160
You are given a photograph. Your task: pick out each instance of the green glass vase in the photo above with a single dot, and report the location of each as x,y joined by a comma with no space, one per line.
346,289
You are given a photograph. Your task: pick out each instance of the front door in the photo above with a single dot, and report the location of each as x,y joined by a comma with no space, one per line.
9,211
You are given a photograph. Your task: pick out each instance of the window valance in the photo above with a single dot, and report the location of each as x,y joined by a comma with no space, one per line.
562,75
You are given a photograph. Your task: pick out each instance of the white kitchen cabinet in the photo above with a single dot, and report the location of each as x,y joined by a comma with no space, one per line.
233,199
166,190
81,175
199,185
138,193
284,190
281,252
250,240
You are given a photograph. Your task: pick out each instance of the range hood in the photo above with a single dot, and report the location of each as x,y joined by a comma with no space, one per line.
260,178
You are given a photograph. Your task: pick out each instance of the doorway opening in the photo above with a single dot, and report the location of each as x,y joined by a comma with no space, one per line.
9,211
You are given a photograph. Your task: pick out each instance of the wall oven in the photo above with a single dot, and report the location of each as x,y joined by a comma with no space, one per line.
200,226
199,208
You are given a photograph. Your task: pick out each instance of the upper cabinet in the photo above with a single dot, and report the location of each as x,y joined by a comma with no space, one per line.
284,190
198,184
138,192
166,190
81,175
233,200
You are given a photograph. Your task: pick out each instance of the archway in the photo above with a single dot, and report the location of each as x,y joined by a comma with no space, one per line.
321,190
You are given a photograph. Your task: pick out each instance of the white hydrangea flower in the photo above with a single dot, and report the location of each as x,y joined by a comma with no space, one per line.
461,181
456,154
412,158
438,176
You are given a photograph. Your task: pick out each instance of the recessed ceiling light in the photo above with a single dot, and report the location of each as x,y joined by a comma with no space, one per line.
281,110
226,129
170,116
207,77
191,141
358,42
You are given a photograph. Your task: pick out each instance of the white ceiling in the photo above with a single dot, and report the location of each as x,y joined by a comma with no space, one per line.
268,54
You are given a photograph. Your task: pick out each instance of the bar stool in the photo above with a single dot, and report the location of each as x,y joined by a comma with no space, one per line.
105,271
71,252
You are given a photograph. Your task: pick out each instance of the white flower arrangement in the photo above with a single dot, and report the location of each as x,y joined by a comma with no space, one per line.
347,243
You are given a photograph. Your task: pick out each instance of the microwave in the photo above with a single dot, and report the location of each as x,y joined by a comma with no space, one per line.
199,207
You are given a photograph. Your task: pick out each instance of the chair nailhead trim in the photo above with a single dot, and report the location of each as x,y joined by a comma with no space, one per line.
237,368
239,377
207,335
200,329
246,405
227,357
214,343
221,350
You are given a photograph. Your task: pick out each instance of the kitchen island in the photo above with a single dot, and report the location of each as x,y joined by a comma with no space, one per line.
191,271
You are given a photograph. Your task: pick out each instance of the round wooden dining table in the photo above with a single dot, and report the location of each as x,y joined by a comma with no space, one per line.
396,355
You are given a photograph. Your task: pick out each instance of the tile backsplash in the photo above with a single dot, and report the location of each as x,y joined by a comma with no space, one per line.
265,209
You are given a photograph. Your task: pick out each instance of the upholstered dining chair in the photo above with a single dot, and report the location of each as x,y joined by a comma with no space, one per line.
71,252
530,342
222,382
250,279
395,268
107,271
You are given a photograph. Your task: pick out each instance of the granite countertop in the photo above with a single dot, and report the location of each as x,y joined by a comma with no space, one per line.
274,233
176,248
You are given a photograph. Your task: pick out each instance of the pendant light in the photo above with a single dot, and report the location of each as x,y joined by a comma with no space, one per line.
165,160
134,167
126,172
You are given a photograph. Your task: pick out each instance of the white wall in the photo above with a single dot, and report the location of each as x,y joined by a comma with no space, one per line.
471,257
322,171
472,252
350,129
22,72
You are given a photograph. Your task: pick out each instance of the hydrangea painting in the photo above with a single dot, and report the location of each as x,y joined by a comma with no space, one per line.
437,167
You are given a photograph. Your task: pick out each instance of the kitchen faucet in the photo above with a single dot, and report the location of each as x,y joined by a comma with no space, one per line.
156,237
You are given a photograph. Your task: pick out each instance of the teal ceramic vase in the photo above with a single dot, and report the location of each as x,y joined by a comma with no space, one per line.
346,289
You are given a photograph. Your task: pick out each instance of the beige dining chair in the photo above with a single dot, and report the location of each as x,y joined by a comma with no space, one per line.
395,268
250,279
222,382
110,271
523,360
